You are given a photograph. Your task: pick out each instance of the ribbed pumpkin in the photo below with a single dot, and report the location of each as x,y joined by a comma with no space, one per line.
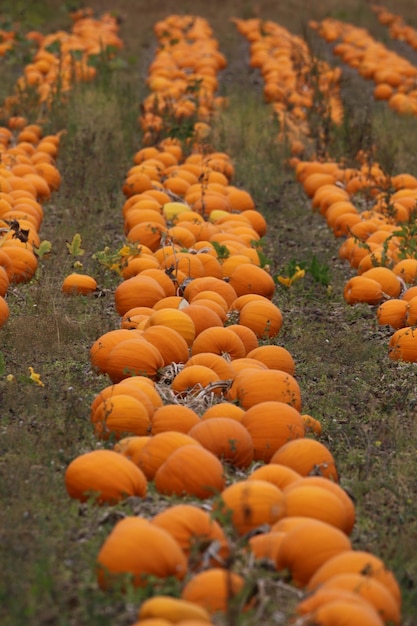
265,546
170,344
159,448
127,390
133,357
278,475
137,549
252,503
190,470
219,340
223,367
154,610
335,489
224,409
274,357
4,311
79,284
194,530
315,502
372,590
144,383
361,289
213,589
174,417
307,546
119,415
307,457
248,337
101,348
193,378
202,316
344,612
252,386
389,281
24,262
261,316
225,438
131,447
210,283
327,595
249,278
104,476
4,281
393,313
359,562
175,319
137,291
402,345
271,424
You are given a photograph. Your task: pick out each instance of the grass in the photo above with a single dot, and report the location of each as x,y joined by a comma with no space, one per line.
367,403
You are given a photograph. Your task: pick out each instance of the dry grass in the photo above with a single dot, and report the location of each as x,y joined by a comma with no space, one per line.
366,403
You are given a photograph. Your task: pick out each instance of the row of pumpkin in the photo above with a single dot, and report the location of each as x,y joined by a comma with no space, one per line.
364,206
189,430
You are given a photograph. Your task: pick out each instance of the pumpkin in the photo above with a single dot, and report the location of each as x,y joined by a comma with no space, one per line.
219,340
138,549
195,531
202,316
274,357
210,283
362,289
214,589
252,386
173,417
159,448
307,457
248,337
278,475
315,502
224,409
4,311
168,341
344,612
251,503
307,546
133,357
389,281
115,390
261,316
119,415
193,378
137,291
4,281
370,589
100,349
271,424
359,562
105,476
402,345
174,610
335,489
265,546
223,367
176,319
225,438
144,383
249,278
393,313
131,447
190,470
79,284
24,262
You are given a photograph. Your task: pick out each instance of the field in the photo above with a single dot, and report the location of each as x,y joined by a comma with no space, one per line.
365,401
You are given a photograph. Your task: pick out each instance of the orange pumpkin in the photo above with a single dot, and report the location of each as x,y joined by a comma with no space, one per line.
274,357
173,417
252,503
194,530
271,424
226,438
402,345
105,476
278,475
261,316
219,340
119,415
190,470
213,589
251,386
159,448
79,284
307,457
159,555
133,357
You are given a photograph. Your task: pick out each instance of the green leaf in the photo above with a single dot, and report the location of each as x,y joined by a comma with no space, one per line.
43,249
74,247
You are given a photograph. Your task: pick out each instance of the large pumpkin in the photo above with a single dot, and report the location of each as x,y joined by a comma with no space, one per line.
226,438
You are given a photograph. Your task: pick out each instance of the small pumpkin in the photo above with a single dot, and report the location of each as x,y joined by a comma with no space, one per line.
213,589
174,610
80,284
